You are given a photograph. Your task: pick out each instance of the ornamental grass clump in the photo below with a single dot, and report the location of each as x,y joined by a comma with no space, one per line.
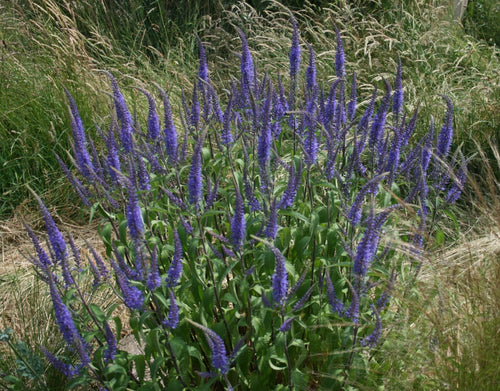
265,224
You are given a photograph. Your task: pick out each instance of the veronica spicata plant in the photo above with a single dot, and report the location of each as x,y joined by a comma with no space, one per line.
252,243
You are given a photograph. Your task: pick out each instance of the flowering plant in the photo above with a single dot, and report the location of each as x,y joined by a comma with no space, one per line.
253,246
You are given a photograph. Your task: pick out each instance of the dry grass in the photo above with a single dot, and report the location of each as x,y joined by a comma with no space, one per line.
26,306
447,331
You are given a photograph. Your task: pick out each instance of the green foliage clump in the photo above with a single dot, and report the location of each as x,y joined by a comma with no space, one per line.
252,245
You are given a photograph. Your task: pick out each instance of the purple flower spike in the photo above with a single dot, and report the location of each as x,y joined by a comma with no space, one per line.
372,339
219,355
287,324
112,159
43,258
55,236
133,213
386,296
195,184
142,173
365,121
153,122
174,199
187,226
265,137
214,100
226,136
76,253
132,296
335,303
446,134
173,313
367,246
252,201
351,106
154,279
175,269
339,56
139,258
110,352
247,68
353,310
80,141
101,267
220,360
203,67
63,316
427,147
298,305
410,128
279,279
368,188
397,97
238,226
211,194
458,184
95,272
294,50
311,144
378,125
123,115
169,131
311,71
288,197
67,369
82,192
272,223
265,301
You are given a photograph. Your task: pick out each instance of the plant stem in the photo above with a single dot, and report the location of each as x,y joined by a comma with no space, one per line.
212,277
287,355
351,355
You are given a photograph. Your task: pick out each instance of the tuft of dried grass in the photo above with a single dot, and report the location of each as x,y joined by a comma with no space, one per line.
447,331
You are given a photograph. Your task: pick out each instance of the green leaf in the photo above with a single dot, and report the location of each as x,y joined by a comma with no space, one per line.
174,384
122,229
105,235
275,361
294,214
99,315
156,365
299,379
140,366
439,238
118,325
314,222
5,335
301,245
